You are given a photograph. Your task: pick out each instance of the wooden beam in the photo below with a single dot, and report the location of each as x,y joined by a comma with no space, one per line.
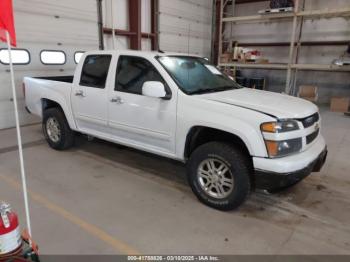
341,12
126,33
135,24
325,13
249,18
309,67
119,32
317,67
305,43
255,65
155,24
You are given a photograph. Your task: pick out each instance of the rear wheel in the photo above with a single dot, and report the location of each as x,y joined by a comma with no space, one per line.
56,129
219,175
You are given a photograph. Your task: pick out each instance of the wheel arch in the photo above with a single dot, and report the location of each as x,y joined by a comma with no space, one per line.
199,135
47,103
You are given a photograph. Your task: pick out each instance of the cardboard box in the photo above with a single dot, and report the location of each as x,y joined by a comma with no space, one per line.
226,58
308,92
340,104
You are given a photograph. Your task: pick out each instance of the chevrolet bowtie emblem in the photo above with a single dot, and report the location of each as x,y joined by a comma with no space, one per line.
317,126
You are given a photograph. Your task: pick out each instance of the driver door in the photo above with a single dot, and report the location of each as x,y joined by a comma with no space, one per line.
145,122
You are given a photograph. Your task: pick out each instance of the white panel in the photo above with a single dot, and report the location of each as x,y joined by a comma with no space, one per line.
185,26
64,25
146,16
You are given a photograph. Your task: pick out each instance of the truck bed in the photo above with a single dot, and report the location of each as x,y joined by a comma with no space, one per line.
55,88
66,79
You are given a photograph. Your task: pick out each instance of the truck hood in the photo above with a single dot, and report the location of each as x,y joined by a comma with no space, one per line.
278,105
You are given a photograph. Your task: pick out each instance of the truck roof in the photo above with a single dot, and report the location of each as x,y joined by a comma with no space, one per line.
148,54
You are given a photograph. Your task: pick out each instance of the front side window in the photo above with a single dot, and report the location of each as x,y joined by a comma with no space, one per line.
19,56
48,57
95,71
133,72
195,75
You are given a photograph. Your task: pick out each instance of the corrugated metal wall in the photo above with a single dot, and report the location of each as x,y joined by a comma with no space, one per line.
40,24
185,26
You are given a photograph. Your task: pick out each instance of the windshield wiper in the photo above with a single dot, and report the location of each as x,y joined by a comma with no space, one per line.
212,90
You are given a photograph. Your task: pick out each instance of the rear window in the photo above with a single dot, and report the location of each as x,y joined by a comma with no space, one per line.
77,56
95,71
19,56
52,57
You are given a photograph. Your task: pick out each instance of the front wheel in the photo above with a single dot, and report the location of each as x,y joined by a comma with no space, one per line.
56,129
219,175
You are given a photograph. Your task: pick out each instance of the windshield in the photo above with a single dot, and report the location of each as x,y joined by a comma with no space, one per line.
196,75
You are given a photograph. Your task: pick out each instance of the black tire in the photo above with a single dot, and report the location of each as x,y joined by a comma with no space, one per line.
237,165
66,138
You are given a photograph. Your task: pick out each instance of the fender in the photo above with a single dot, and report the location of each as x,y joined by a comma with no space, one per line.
61,101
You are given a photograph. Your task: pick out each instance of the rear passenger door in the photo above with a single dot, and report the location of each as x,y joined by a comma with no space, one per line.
145,122
89,95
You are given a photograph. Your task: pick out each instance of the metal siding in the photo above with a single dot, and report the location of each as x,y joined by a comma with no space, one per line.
184,25
64,25
72,26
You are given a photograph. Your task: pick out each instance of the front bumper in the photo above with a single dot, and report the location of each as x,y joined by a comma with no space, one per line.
270,180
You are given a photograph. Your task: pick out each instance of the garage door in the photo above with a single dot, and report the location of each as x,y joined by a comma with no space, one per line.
62,25
184,25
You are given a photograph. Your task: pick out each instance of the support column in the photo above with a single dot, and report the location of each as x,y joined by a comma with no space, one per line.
135,24
155,24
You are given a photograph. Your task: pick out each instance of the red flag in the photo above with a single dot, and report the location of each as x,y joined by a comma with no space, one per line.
7,21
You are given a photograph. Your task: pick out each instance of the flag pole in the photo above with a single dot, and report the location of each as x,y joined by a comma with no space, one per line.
19,137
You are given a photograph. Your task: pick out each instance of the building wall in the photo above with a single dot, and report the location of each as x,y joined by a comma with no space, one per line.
64,25
329,83
185,26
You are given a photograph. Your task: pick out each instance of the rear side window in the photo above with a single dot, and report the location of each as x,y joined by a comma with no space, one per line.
52,57
132,72
19,56
95,71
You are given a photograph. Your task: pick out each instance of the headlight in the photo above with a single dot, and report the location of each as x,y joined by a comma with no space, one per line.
280,126
283,148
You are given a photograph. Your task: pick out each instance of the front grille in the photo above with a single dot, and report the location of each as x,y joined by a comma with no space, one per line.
310,138
311,120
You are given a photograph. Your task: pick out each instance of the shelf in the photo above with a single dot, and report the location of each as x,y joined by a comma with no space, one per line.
306,43
255,65
295,43
326,13
317,67
311,67
257,17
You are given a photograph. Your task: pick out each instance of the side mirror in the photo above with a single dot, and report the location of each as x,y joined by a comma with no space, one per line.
154,89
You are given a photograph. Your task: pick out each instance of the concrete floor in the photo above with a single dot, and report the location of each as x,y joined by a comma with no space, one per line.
99,198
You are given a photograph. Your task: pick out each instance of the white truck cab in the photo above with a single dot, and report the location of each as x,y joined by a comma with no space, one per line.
180,106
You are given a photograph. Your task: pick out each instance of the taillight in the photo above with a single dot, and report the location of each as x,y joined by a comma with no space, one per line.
24,90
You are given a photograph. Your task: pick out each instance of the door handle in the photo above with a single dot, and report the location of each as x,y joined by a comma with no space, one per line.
118,100
80,93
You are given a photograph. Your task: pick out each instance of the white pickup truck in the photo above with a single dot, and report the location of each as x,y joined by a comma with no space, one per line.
232,138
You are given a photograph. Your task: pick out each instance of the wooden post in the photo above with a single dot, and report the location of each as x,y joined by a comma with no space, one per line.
135,24
291,48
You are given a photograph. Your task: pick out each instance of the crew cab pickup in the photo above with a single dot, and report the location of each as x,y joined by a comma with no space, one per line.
233,139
